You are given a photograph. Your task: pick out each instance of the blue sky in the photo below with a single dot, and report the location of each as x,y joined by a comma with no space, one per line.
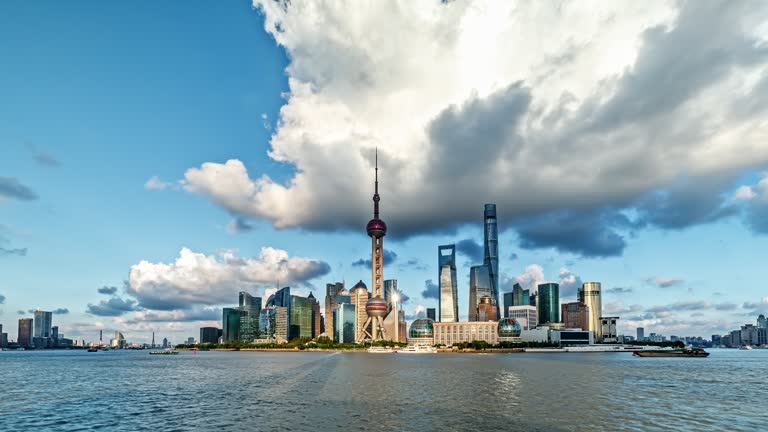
97,99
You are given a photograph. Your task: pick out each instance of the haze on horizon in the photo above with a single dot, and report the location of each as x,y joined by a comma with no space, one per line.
156,160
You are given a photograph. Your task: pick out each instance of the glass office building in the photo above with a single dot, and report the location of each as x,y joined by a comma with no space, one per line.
300,321
209,335
590,295
479,287
448,303
231,324
520,296
267,322
43,322
548,299
491,249
249,323
344,317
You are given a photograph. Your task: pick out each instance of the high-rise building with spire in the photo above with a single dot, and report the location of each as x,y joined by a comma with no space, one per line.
491,250
376,307
448,302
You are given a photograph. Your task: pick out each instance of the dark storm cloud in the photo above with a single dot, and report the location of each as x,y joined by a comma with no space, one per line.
61,311
107,290
690,306
21,312
2,299
689,202
412,264
389,257
11,188
589,234
756,216
470,249
115,306
404,298
431,290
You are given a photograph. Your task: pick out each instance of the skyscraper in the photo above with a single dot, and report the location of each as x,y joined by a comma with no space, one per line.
491,250
332,292
589,294
762,322
43,321
507,303
300,318
479,287
316,317
448,303
345,317
208,335
359,297
282,298
249,323
520,296
230,320
25,332
431,314
486,309
575,315
390,287
376,308
548,299
640,334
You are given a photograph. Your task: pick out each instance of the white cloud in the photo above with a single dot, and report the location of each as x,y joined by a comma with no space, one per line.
744,193
597,113
155,183
531,278
198,279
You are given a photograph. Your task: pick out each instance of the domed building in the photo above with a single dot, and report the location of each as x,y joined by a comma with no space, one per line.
509,330
422,332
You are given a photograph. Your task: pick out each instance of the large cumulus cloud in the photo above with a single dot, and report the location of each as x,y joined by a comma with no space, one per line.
481,102
199,279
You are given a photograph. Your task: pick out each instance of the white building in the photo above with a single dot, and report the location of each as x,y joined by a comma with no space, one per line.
449,333
525,315
608,326
538,334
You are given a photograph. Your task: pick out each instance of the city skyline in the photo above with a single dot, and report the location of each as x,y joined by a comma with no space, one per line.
149,206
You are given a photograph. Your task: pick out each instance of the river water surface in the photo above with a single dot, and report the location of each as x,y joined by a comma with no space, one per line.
132,391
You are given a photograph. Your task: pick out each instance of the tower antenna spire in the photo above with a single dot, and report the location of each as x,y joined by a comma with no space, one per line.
376,186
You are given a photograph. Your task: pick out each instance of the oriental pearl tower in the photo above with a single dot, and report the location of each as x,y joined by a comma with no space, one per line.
376,307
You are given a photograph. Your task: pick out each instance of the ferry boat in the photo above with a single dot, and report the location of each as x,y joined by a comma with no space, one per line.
418,349
686,352
380,350
92,349
745,347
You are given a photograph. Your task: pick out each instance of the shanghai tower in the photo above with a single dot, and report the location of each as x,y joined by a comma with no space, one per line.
491,251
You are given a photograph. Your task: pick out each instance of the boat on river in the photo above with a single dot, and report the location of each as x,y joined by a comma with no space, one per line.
746,348
685,352
380,350
418,349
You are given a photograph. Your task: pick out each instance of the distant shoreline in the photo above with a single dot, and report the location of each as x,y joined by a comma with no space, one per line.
360,350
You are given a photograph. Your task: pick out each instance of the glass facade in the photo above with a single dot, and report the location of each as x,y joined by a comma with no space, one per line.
548,299
43,323
209,335
509,328
448,302
390,287
267,322
300,320
24,337
231,324
491,250
520,296
589,294
431,314
507,303
249,323
345,315
479,286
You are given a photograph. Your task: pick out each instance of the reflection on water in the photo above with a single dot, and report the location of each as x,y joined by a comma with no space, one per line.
73,390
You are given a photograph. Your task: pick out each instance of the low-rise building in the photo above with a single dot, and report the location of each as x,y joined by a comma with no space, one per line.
525,315
449,333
